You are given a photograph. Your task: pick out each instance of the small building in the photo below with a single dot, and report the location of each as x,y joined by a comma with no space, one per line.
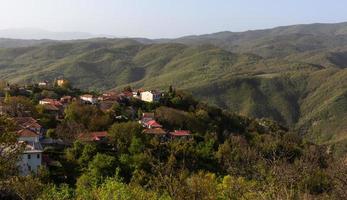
88,98
27,135
52,110
62,82
150,96
66,99
150,123
109,96
49,101
153,124
155,131
31,158
100,136
180,134
43,83
28,123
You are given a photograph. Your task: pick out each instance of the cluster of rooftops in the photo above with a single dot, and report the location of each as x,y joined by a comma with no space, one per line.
150,125
31,133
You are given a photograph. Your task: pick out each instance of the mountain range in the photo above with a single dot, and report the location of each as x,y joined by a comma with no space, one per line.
296,75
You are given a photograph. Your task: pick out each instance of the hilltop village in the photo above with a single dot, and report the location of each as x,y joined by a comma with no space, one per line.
35,126
59,142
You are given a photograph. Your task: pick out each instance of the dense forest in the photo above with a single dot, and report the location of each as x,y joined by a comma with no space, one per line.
227,156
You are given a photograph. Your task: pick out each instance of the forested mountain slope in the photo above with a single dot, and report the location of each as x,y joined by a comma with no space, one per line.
296,75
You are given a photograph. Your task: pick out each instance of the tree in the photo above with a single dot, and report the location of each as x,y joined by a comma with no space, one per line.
121,135
19,106
9,151
101,167
127,89
69,130
115,189
52,192
25,187
89,116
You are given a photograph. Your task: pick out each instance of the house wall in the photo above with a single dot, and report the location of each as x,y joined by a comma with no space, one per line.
29,139
30,165
91,100
147,96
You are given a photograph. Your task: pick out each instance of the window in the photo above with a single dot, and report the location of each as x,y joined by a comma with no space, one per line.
29,156
29,167
38,156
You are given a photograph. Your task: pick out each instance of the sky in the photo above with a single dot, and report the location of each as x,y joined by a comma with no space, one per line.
165,18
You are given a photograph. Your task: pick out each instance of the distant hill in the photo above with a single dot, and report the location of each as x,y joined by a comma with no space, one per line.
275,42
296,75
13,43
39,34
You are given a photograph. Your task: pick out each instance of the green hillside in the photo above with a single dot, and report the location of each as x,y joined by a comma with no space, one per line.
296,75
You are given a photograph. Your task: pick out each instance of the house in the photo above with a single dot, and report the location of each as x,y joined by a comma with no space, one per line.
109,96
100,136
153,124
137,94
31,159
43,84
53,110
88,98
150,123
62,82
66,99
28,135
147,120
52,102
150,96
155,131
28,123
180,134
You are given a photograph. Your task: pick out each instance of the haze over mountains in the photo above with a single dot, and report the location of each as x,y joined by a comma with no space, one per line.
295,74
39,34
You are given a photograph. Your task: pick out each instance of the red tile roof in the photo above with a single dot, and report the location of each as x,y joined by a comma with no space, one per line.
153,123
155,131
50,107
26,133
52,102
27,122
93,136
180,133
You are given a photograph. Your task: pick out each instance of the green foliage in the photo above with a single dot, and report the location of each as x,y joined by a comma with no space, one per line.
295,81
52,192
278,74
122,134
87,115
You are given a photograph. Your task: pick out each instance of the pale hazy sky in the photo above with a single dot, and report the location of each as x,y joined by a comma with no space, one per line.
165,18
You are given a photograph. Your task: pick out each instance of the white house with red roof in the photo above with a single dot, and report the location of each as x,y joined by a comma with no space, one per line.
31,158
28,123
49,101
28,135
